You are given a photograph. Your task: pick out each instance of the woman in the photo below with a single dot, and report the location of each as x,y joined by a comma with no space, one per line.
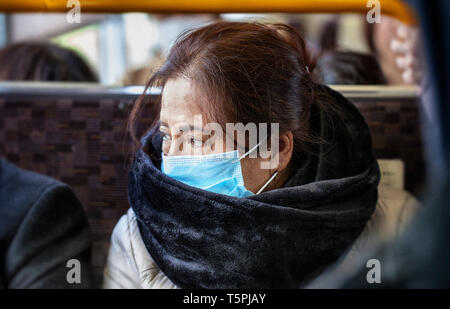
206,215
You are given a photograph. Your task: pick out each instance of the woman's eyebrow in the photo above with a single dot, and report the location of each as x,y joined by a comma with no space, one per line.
189,127
184,127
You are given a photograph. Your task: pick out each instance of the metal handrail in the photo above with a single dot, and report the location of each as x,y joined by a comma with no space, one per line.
87,91
394,8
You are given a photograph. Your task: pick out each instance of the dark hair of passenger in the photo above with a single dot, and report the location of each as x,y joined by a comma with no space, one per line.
349,68
248,73
329,34
35,61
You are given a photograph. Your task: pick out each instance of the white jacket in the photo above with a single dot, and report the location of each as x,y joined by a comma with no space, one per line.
130,266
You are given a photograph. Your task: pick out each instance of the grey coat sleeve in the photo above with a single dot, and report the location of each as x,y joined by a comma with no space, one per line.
53,231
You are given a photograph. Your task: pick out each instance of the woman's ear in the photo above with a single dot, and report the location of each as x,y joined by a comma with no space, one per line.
286,147
280,158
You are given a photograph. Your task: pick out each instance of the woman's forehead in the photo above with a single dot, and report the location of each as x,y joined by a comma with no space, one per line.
179,102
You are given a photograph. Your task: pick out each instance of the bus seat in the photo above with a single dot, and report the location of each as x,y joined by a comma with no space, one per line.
80,143
396,135
394,211
84,143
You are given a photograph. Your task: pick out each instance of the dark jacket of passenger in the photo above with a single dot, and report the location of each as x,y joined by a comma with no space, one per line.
42,227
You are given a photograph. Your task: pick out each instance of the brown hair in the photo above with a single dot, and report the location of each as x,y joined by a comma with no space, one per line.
35,61
249,73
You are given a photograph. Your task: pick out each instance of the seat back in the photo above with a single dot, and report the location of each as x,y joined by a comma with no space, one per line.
78,135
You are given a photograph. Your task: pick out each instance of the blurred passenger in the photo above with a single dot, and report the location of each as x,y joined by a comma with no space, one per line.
35,61
329,32
395,45
45,238
42,227
142,75
349,68
204,215
398,48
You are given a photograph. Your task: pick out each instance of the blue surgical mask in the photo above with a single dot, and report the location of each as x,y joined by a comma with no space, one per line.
219,173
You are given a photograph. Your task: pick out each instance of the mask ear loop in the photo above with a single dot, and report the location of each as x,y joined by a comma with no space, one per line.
268,182
247,153
271,178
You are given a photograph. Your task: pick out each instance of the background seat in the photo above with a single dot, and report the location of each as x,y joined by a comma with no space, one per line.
84,143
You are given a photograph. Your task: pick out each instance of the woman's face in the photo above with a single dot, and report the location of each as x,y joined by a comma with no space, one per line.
182,136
